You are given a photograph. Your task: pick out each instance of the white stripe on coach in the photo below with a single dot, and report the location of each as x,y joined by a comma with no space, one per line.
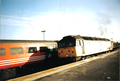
21,60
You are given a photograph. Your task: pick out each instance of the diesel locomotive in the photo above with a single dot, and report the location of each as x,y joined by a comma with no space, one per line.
79,47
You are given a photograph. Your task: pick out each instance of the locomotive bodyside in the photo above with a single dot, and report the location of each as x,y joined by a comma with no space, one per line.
79,46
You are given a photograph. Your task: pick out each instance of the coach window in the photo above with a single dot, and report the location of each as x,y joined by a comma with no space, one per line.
31,50
43,49
14,51
2,51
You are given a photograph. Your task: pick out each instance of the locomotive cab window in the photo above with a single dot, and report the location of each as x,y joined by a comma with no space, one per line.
2,51
31,50
61,44
70,43
14,51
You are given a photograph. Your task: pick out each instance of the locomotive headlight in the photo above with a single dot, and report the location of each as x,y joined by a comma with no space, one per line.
66,55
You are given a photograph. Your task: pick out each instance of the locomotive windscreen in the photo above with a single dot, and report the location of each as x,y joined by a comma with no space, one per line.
61,44
69,43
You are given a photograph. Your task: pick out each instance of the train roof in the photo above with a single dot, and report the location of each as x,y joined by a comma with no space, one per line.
25,41
85,37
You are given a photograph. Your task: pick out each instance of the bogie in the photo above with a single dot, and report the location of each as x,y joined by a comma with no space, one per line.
8,73
77,59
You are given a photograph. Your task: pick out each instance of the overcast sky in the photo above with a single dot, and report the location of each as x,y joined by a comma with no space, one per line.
25,19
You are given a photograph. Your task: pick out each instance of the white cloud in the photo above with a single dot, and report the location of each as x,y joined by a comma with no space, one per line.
16,17
15,21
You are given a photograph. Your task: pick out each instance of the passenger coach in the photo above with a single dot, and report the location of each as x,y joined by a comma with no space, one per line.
77,47
15,53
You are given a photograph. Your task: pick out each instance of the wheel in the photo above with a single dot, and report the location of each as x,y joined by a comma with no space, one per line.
83,58
8,73
88,57
93,56
106,52
75,59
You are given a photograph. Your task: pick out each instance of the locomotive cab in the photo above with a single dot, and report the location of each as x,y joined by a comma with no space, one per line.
70,47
